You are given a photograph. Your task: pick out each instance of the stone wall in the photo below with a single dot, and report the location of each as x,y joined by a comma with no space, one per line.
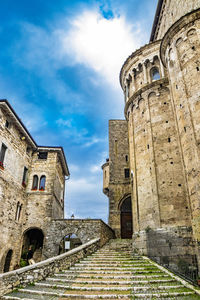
41,270
119,160
172,247
159,194
180,51
12,192
22,206
85,230
172,11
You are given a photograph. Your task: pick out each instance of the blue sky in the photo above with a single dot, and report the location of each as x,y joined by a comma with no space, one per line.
59,69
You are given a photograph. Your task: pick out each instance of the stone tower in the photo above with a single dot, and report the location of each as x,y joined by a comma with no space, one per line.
162,109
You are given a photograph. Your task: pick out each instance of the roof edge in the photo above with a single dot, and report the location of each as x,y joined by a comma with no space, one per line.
156,19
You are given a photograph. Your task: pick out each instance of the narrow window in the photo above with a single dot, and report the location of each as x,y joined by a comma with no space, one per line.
42,183
127,173
105,174
35,182
2,154
42,155
7,124
155,75
25,177
17,211
126,158
20,209
169,140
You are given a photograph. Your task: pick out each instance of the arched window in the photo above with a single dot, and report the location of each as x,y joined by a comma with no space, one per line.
42,182
155,75
35,182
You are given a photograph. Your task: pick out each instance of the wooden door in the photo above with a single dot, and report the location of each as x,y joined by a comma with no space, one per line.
126,225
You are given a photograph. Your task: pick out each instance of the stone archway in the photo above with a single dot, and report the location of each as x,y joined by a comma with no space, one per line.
33,237
8,261
126,218
69,242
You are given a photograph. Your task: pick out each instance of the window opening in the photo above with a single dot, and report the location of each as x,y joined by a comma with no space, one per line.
18,211
7,124
42,155
127,173
35,182
25,177
2,154
155,75
42,182
126,158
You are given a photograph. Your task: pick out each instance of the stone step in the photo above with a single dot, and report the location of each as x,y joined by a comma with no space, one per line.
110,273
147,276
122,265
83,280
77,286
130,268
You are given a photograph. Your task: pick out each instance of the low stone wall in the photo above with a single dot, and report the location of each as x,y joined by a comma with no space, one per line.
41,270
85,229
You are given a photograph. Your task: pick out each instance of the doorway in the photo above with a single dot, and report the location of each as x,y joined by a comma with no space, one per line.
8,261
33,237
126,219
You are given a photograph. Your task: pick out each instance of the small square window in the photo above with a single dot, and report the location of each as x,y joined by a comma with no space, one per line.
42,155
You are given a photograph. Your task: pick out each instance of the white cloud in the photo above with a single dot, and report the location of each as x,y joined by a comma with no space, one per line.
95,168
62,122
99,43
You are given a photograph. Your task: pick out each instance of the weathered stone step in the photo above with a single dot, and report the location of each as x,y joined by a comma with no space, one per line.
142,288
123,271
121,265
166,296
83,280
75,275
130,268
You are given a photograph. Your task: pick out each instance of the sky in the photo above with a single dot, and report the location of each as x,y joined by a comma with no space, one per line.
59,69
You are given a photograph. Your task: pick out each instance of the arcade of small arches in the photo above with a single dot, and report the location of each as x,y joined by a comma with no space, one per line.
152,70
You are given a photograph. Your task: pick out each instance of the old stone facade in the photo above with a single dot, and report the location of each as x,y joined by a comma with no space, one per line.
162,110
32,184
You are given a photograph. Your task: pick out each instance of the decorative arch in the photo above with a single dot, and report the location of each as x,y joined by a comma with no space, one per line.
69,242
178,42
192,31
151,95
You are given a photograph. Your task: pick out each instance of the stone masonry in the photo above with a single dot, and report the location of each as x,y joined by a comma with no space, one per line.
162,95
32,187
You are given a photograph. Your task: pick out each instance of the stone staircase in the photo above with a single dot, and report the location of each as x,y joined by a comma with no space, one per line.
113,272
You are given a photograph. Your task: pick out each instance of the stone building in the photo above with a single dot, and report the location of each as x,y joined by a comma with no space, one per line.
32,186
159,141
